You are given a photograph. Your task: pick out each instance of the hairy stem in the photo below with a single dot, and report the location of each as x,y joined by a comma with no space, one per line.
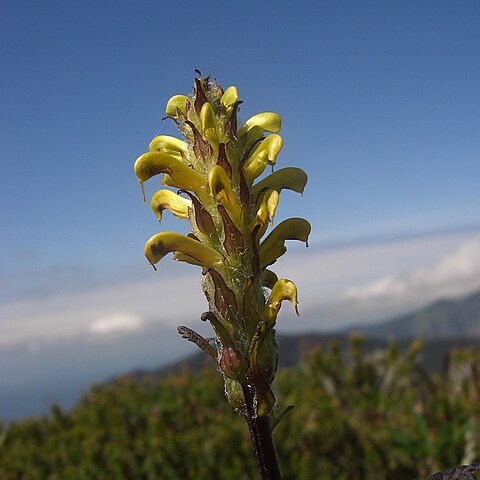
261,435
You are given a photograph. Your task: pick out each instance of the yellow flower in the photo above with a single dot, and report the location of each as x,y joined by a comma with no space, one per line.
260,123
265,153
282,290
177,102
168,200
274,245
187,249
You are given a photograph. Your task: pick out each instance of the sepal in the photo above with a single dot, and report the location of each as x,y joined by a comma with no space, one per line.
223,160
199,94
233,241
200,216
224,297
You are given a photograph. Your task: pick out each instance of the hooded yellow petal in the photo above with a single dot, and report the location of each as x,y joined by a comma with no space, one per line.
166,242
266,211
181,176
177,101
291,178
171,145
220,188
168,200
209,125
262,122
274,245
229,97
282,290
265,153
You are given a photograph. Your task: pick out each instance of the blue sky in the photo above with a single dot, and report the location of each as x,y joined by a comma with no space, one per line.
380,103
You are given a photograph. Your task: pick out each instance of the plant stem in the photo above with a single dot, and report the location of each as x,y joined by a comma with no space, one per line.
261,435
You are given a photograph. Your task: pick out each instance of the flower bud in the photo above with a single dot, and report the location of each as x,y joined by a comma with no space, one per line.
231,364
234,394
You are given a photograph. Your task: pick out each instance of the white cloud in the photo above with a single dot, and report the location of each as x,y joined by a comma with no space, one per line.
368,283
163,299
325,276
452,274
116,322
336,287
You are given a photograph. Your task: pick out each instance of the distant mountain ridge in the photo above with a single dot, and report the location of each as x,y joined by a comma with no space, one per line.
292,348
444,325
443,319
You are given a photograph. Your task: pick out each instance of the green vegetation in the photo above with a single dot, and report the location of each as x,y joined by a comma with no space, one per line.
359,416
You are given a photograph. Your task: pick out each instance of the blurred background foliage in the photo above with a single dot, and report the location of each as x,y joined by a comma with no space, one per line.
358,415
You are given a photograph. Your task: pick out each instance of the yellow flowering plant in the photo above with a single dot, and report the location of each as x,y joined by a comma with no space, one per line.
217,173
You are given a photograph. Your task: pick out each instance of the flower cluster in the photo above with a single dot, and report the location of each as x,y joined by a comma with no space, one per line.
214,171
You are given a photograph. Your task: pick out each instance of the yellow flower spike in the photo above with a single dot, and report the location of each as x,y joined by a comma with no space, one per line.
209,125
282,290
220,188
192,250
213,164
152,163
177,101
229,97
291,178
168,200
261,122
265,153
273,246
266,211
171,145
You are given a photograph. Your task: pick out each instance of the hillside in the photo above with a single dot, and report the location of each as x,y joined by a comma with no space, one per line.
444,325
293,348
356,416
444,319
